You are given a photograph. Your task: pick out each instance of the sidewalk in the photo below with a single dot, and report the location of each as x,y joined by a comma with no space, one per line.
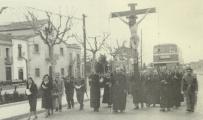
14,111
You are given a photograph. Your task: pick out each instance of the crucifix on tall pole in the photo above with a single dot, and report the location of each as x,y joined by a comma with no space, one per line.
132,22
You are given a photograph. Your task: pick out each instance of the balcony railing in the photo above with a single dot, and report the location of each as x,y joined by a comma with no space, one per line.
8,61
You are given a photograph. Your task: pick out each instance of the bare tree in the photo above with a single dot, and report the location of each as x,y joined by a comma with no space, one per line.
112,50
50,33
94,47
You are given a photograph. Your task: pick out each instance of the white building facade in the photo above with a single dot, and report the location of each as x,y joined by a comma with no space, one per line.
29,55
6,61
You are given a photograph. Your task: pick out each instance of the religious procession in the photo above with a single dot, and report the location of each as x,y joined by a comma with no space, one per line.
85,60
163,88
151,88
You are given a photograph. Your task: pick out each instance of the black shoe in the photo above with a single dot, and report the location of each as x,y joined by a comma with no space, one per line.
35,118
81,107
115,111
162,109
136,108
122,111
188,110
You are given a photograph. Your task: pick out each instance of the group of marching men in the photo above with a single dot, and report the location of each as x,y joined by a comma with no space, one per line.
164,87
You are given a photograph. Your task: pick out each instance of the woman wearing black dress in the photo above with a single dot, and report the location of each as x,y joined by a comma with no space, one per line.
46,95
31,92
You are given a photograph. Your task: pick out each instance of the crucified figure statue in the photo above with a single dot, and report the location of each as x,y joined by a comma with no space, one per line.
134,39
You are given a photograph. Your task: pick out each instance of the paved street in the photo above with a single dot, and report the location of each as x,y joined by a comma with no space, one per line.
131,114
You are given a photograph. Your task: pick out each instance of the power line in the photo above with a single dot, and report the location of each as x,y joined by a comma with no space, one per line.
37,9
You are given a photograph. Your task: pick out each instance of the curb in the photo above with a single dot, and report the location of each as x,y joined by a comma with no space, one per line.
18,117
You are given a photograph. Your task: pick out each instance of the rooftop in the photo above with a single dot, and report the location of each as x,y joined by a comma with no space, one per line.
76,46
5,37
163,45
19,25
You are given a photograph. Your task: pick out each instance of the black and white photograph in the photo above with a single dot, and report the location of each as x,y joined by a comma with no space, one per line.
101,59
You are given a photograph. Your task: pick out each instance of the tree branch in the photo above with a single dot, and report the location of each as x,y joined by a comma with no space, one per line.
105,37
78,39
88,42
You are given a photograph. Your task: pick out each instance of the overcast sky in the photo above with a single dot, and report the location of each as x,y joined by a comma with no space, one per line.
176,21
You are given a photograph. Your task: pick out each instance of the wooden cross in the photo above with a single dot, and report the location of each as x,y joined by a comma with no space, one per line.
131,15
132,12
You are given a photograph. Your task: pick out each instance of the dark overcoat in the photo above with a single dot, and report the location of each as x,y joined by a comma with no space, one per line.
119,91
46,95
107,91
94,91
32,98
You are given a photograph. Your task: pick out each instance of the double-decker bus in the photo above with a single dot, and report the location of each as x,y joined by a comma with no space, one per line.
167,55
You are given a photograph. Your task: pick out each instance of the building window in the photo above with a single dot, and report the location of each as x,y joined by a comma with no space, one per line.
8,74
20,74
78,60
37,72
19,50
36,48
61,52
172,50
7,52
62,72
78,57
70,56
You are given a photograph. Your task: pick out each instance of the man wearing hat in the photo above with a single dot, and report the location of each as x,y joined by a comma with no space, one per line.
69,90
189,88
60,86
80,88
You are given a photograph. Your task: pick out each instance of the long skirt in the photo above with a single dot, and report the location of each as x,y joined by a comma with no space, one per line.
33,103
95,97
107,95
47,101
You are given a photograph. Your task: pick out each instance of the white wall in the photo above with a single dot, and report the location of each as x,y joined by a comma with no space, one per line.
19,62
3,46
37,60
62,61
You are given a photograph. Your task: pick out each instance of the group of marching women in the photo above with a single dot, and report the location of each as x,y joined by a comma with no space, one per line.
165,88
52,91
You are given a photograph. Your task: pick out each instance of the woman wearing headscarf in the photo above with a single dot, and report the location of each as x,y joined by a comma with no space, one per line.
31,92
46,94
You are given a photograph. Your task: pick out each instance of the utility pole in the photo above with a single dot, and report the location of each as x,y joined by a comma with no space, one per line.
141,50
84,38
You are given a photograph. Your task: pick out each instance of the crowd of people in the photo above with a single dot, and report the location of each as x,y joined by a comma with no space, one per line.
150,88
163,87
52,91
